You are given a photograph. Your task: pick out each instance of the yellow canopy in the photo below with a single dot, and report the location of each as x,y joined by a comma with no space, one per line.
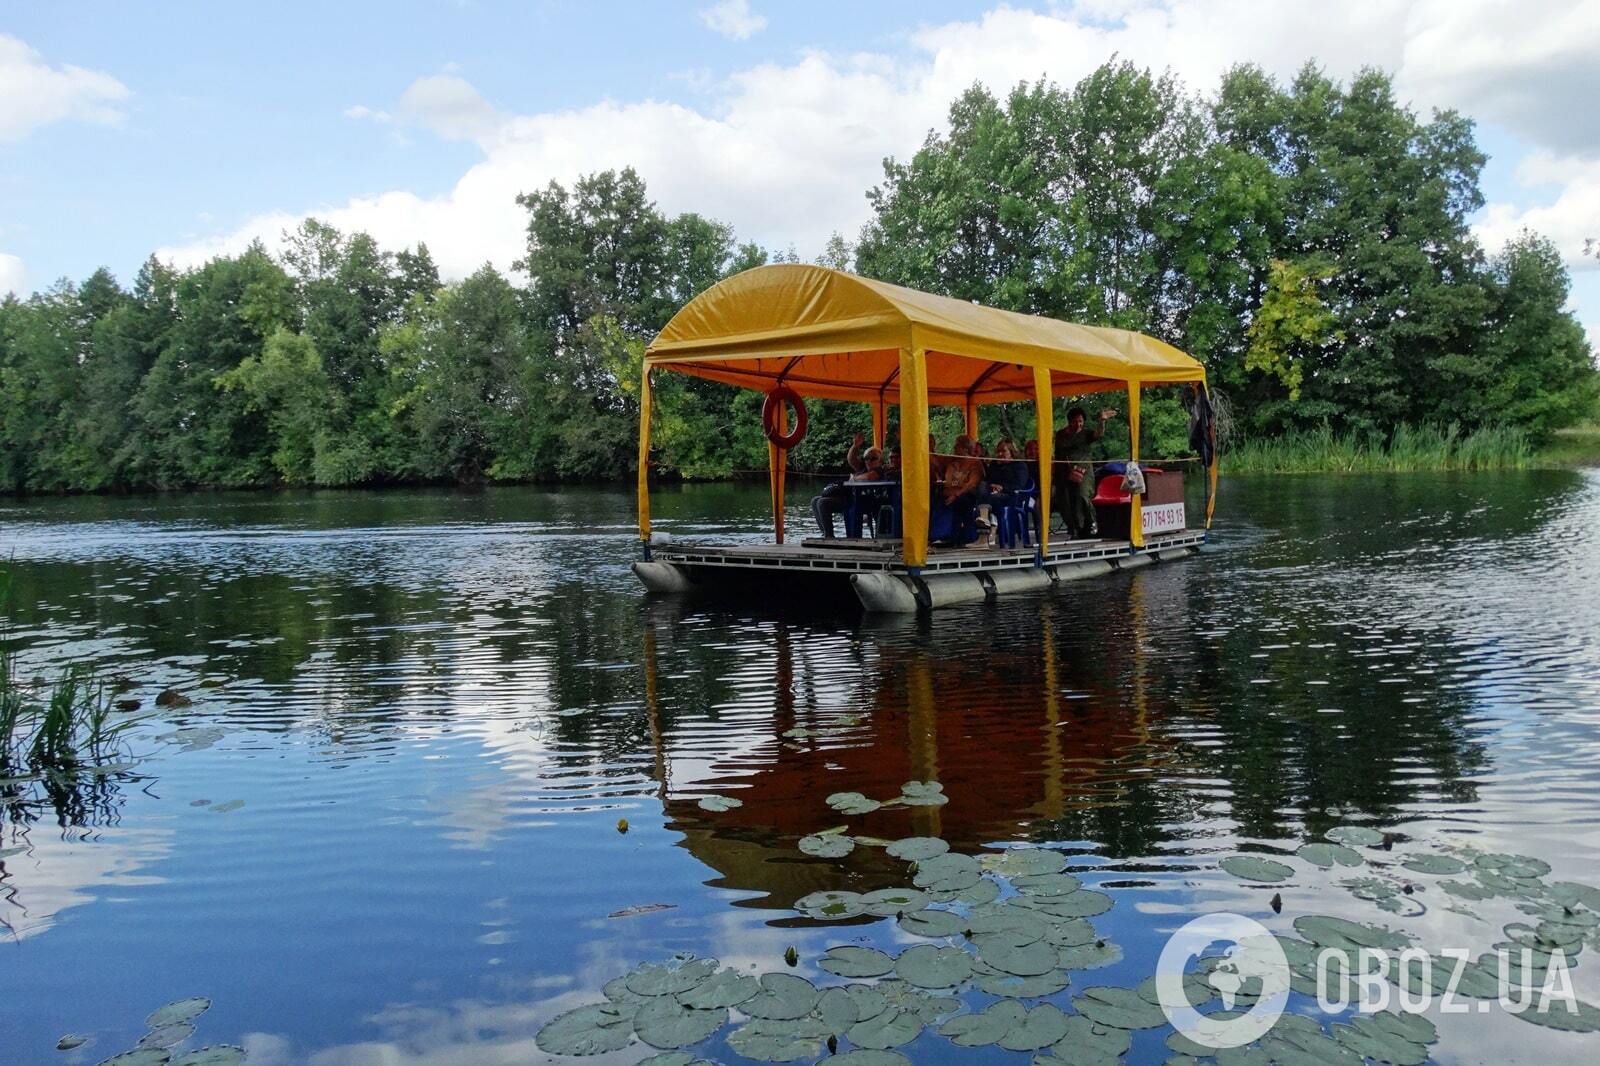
826,333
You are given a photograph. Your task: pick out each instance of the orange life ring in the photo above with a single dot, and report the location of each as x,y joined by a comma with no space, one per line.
772,414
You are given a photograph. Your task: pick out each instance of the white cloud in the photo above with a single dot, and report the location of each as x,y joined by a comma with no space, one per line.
35,94
11,275
733,19
784,152
1569,220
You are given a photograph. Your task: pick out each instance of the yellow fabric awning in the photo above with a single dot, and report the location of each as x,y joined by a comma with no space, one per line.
826,333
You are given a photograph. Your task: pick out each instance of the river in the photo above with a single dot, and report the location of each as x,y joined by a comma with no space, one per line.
381,824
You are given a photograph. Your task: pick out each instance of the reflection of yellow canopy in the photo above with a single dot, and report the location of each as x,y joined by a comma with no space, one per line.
830,334
826,333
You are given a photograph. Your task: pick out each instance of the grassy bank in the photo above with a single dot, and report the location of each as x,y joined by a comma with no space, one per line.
1410,449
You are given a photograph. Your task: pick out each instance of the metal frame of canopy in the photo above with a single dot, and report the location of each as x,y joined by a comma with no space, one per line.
828,334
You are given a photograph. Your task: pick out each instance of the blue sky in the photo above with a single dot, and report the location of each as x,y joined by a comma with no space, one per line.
189,128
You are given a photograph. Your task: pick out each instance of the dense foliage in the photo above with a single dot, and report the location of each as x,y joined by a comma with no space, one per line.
1309,242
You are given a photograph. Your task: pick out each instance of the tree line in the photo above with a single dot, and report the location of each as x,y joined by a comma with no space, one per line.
1307,241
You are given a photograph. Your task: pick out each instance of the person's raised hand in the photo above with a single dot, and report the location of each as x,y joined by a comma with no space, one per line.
1107,414
860,439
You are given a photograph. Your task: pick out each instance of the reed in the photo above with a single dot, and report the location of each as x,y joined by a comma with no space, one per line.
1410,448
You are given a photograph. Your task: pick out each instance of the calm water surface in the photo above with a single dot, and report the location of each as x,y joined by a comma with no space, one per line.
385,830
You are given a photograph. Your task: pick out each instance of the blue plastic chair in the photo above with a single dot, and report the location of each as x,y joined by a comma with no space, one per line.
1015,518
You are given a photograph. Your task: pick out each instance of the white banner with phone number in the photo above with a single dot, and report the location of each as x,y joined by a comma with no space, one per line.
1163,518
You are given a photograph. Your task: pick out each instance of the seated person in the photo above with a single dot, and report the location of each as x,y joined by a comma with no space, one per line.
1007,478
835,499
963,480
936,462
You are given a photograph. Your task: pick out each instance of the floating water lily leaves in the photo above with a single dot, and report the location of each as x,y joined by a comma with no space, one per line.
1011,952
827,845
917,849
923,794
1084,903
1359,836
1120,1008
668,1024
167,1036
1329,932
1434,864
672,1058
947,873
1467,890
831,906
1293,1045
146,1056
998,983
1370,1038
1325,855
183,1010
852,803
1564,1013
215,1055
927,966
870,1057
1254,868
888,902
725,988
1090,956
985,1027
847,960
783,997
1045,886
1088,1043
887,1029
1573,893
932,923
1071,932
591,1030
718,804
1025,862
71,1041
679,975
1039,1028
778,1041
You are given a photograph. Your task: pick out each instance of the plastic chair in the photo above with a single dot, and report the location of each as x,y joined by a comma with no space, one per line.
1014,518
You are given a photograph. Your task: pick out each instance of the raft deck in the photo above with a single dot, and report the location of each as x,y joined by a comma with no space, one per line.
882,581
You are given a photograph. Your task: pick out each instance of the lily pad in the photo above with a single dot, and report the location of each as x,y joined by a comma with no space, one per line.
1088,1043
998,983
671,1058
718,804
923,794
146,1056
933,923
167,1036
927,966
1041,1027
669,979
974,895
590,1030
1434,864
71,1041
888,1029
1120,1008
182,1010
1330,932
1084,903
836,1010
1371,1040
831,906
668,1024
1254,868
777,1041
1568,1015
214,1055
1046,886
870,1057
917,849
850,961
985,1027
852,803
1024,862
1356,836
1325,855
827,845
725,988
947,873
783,997
1574,893
1466,890
1010,918
1090,956
1004,952
889,902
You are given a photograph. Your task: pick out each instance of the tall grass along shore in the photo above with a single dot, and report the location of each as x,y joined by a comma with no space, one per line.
1411,448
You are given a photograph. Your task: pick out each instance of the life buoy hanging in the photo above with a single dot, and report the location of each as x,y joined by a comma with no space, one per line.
772,417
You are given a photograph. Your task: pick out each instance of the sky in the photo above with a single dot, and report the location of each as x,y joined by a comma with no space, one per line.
187,129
